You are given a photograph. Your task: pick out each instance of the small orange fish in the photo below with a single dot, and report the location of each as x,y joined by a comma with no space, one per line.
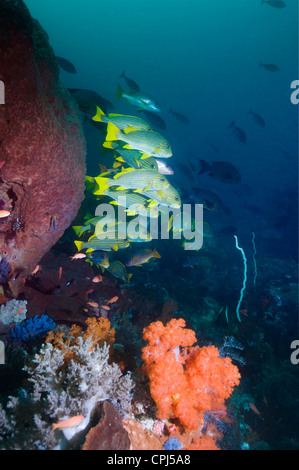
89,291
36,269
4,214
97,279
93,304
59,273
78,256
68,423
254,408
105,307
20,310
114,299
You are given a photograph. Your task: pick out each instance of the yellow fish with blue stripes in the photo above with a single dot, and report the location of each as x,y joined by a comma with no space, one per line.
105,244
150,142
133,179
122,121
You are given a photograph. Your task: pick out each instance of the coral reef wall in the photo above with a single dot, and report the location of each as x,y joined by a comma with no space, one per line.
41,142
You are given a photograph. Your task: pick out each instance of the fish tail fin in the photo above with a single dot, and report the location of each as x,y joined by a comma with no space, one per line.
112,132
155,254
102,185
205,166
99,116
78,230
119,92
78,244
122,75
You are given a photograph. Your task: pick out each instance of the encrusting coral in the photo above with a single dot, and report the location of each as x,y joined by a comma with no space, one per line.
185,381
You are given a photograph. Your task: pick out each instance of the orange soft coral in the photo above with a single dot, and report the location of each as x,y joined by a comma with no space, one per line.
185,381
98,331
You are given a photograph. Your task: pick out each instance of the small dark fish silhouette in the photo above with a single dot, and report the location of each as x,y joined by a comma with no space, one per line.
179,116
154,119
66,65
258,119
222,171
274,3
88,101
270,67
213,147
131,84
239,133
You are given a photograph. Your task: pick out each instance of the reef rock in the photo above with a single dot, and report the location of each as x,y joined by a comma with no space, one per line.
42,148
109,433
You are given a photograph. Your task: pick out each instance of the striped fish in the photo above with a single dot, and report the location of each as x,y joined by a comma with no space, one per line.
134,202
122,121
149,142
89,224
107,244
166,197
133,158
118,270
133,179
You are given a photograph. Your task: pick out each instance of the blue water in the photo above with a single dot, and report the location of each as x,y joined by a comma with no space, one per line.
202,60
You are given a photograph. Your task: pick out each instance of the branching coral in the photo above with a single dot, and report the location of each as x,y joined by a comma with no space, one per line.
67,378
98,332
185,381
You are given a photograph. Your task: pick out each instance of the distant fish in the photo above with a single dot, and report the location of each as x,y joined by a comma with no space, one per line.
97,279
137,98
88,101
270,67
143,257
4,214
100,258
258,119
118,270
155,119
213,147
163,168
78,256
222,171
131,84
68,423
211,201
239,133
274,3
179,116
66,65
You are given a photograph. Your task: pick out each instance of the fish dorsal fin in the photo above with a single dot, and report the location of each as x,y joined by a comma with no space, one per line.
129,129
122,172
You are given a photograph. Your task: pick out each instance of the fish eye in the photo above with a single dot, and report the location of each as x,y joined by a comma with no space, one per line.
177,199
5,253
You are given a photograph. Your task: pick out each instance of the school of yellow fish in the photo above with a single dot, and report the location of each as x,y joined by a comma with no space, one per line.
135,182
